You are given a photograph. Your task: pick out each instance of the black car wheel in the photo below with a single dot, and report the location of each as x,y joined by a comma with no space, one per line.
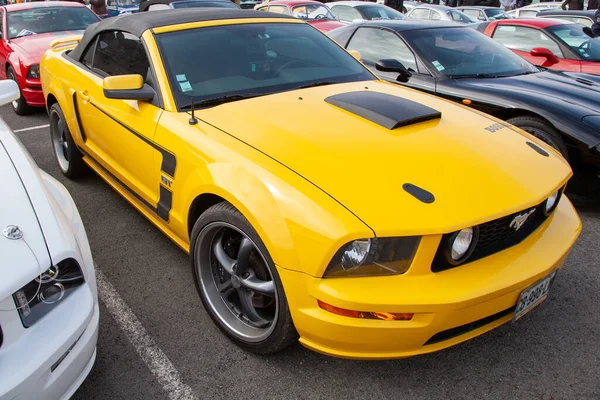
238,282
67,155
19,106
541,130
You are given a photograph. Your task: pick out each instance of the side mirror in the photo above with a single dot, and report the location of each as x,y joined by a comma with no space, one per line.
551,59
127,87
391,65
355,54
586,29
9,91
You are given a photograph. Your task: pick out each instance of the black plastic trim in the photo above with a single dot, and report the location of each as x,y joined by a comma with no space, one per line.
466,328
419,193
76,108
383,109
145,93
538,149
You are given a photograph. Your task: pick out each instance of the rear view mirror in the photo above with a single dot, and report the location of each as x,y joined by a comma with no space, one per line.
551,59
9,91
587,30
127,87
391,65
355,54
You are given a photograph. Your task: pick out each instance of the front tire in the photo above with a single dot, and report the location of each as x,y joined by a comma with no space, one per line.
541,130
238,283
66,153
19,106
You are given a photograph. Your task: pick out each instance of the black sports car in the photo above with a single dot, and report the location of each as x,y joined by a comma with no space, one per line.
465,66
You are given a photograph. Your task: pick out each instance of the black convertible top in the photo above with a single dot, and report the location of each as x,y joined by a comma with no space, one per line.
140,22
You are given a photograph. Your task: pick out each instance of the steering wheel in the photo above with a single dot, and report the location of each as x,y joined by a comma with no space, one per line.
321,16
287,64
476,52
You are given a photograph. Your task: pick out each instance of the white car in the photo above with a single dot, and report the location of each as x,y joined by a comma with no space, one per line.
358,11
531,10
48,297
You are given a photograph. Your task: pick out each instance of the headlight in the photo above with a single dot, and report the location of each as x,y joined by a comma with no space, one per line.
373,257
42,294
460,245
551,202
34,72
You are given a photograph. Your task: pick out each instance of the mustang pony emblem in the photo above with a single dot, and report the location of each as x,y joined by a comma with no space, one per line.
520,220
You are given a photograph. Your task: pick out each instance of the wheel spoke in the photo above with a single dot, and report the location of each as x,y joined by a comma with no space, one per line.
243,257
226,289
226,262
249,310
257,285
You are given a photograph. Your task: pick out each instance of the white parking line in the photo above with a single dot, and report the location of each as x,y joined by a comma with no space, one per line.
158,363
32,128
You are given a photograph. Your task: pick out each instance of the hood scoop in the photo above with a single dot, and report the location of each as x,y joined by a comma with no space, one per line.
383,109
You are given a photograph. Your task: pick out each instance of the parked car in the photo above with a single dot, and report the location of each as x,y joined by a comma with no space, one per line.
440,13
462,65
481,13
454,229
352,11
155,5
27,32
583,17
556,44
315,13
122,7
531,10
48,297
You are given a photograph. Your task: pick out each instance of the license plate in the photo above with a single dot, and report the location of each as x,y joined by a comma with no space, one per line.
532,296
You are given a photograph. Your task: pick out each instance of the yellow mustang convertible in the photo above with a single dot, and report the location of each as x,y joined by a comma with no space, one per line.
316,202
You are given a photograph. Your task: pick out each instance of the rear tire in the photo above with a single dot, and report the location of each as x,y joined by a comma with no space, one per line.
238,282
66,153
19,106
542,130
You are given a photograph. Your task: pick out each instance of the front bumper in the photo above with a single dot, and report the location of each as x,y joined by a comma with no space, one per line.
32,92
483,292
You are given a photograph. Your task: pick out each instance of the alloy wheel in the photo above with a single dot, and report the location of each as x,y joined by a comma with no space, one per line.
236,281
60,142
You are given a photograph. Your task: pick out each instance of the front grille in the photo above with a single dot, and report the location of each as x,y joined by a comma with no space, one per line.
495,236
471,326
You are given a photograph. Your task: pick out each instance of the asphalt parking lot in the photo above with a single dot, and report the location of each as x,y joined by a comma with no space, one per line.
156,341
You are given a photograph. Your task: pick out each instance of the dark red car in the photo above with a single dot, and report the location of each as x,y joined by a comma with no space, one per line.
27,31
552,43
315,13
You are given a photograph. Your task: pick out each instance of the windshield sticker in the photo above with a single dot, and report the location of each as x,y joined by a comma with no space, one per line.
181,78
438,66
185,86
25,32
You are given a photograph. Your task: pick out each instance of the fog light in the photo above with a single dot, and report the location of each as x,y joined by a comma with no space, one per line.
461,244
385,316
551,202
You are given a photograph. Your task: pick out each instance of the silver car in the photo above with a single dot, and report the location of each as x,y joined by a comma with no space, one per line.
435,12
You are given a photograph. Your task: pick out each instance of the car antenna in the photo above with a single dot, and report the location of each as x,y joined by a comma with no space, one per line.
193,120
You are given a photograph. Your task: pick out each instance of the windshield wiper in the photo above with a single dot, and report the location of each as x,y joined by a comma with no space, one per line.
215,101
479,76
315,84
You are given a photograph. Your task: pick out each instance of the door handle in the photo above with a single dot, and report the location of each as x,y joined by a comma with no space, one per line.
84,96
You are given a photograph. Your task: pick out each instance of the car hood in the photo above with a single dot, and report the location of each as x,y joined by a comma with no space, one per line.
22,260
576,90
475,174
326,25
33,47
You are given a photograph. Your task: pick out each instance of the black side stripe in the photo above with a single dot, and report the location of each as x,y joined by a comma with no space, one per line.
166,196
169,162
76,108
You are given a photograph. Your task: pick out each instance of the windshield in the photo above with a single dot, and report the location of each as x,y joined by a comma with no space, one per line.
252,60
374,13
217,4
496,13
573,36
51,19
312,11
464,52
122,3
459,17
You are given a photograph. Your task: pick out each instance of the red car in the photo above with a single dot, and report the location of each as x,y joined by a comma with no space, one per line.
552,43
315,13
27,31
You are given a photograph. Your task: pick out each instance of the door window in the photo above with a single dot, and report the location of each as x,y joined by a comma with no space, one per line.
419,13
435,15
377,44
117,53
279,9
524,39
345,13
